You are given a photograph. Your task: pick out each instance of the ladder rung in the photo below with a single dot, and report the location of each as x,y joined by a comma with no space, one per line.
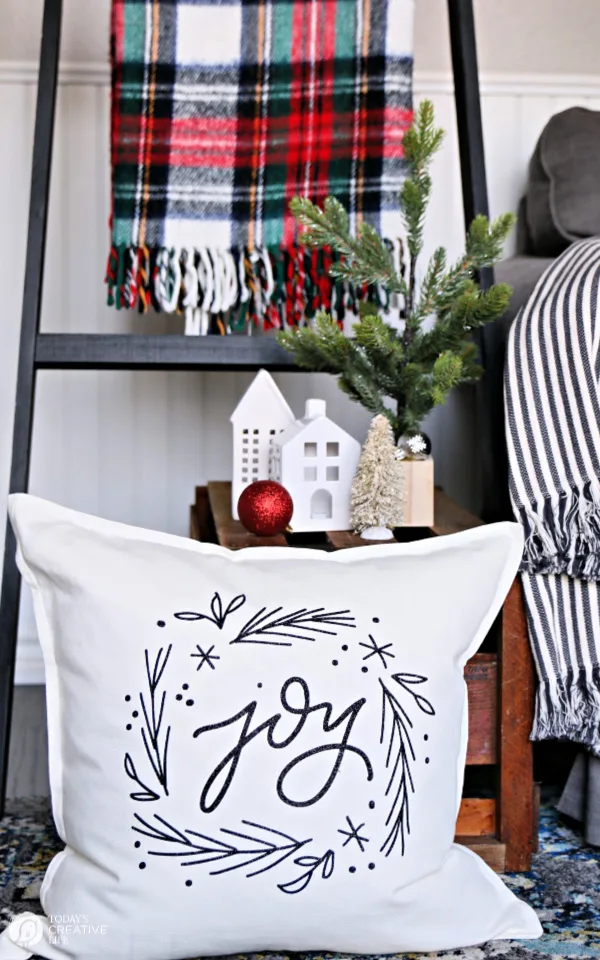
102,351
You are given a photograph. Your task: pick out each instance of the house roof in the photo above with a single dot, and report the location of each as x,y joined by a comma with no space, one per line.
264,392
305,427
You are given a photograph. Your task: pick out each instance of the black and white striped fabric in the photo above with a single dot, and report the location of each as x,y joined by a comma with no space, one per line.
553,435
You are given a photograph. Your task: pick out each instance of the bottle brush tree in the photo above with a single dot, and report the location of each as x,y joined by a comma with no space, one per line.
403,373
378,487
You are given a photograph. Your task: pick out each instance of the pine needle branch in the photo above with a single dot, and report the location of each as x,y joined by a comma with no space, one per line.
415,368
366,258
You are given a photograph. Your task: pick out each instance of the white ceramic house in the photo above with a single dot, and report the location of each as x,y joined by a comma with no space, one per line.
316,460
260,416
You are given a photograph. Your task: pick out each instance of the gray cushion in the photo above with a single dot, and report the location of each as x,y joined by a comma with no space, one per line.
521,273
563,195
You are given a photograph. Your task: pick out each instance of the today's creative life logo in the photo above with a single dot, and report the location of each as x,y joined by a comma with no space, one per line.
26,930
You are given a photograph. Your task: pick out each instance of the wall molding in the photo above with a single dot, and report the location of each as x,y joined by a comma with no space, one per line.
515,84
78,74
426,82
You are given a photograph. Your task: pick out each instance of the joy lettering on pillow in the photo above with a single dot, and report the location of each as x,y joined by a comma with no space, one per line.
313,740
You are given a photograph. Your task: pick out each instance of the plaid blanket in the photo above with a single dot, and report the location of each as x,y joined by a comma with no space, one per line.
222,111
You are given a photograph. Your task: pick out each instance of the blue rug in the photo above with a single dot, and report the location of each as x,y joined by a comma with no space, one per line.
563,886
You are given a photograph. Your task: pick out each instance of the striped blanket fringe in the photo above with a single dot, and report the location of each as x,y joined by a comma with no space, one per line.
228,291
552,395
562,533
568,709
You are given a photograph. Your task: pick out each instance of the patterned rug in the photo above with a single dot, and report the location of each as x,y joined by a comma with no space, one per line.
563,886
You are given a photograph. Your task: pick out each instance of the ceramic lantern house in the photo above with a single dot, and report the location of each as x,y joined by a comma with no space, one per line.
258,419
316,460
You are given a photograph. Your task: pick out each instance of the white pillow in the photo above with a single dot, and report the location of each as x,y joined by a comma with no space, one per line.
261,750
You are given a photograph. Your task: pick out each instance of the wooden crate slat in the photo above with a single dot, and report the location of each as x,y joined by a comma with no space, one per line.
230,532
194,525
481,674
342,539
476,817
204,516
492,851
516,717
450,517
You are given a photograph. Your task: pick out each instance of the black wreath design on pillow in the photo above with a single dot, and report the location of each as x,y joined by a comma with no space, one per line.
258,847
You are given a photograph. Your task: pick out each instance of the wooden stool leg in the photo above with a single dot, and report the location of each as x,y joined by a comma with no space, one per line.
516,717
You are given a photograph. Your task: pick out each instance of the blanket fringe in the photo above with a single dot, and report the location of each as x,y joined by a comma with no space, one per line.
568,708
233,291
562,534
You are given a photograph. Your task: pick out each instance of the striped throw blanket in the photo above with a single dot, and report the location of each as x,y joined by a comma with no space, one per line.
553,432
222,111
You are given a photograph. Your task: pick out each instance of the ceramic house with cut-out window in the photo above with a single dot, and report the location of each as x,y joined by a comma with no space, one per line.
316,460
260,416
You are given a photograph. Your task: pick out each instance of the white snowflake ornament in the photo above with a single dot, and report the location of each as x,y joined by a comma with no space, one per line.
415,447
416,444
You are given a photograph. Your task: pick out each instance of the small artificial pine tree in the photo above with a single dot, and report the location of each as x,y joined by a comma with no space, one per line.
413,367
378,487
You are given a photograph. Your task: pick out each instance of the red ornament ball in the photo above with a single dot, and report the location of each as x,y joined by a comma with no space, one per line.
265,508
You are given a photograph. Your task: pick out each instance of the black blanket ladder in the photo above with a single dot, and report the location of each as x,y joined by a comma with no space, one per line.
58,351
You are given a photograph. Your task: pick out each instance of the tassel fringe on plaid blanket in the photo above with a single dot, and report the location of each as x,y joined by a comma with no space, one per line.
222,111
553,434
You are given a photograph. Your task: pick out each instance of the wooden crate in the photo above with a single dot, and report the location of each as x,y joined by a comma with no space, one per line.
501,828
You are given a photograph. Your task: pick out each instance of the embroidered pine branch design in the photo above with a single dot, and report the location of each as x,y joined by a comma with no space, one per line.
290,625
408,680
247,850
156,747
326,863
218,615
400,755
145,792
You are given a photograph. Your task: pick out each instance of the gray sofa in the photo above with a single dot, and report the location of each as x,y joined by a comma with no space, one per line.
561,205
522,271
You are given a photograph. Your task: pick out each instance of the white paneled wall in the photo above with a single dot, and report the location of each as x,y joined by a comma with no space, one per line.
132,446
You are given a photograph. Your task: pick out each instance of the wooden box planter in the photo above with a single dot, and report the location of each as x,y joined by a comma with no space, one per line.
502,825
